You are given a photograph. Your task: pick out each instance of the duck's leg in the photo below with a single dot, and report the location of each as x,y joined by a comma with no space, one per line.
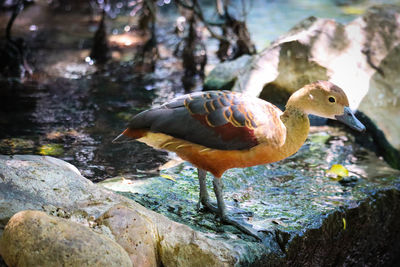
239,223
221,210
204,198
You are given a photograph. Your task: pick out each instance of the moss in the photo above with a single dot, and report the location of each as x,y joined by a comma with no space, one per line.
51,150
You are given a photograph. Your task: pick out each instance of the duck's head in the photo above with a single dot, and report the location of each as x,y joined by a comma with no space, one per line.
324,99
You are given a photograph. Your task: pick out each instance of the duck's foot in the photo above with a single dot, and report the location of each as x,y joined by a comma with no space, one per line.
238,218
243,226
231,209
206,203
221,210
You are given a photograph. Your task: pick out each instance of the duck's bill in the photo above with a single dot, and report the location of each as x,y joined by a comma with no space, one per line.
350,120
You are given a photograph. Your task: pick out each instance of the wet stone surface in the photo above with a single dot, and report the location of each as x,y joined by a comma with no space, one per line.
290,198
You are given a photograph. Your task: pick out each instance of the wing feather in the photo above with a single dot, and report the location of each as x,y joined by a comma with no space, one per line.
215,119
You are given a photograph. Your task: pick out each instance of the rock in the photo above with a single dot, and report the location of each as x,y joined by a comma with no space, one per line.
46,183
344,238
224,77
55,186
190,249
134,232
299,207
33,238
362,57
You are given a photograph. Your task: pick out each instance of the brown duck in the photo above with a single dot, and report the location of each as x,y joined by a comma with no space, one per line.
219,130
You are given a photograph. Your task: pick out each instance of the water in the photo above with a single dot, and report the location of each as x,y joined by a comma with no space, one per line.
72,110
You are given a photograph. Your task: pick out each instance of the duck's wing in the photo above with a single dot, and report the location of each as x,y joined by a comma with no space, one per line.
215,119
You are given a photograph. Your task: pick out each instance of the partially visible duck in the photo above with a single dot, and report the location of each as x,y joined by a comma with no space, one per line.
219,130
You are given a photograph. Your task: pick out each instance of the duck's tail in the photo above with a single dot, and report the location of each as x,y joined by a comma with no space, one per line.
129,135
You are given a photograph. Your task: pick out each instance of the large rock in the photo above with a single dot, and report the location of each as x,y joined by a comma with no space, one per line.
33,238
362,57
56,187
308,217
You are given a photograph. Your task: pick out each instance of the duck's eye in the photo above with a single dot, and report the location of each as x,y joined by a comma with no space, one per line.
332,99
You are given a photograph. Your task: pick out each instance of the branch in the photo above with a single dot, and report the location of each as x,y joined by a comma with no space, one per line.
199,13
19,6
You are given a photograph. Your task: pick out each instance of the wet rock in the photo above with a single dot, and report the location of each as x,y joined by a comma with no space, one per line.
344,238
362,57
300,209
225,75
134,232
33,238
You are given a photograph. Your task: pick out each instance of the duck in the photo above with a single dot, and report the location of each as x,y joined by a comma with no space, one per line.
219,130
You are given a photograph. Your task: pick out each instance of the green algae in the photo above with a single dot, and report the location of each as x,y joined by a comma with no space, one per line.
51,150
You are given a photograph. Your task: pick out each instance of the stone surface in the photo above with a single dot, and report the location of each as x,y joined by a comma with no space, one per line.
224,77
56,187
308,218
46,183
134,232
33,238
362,57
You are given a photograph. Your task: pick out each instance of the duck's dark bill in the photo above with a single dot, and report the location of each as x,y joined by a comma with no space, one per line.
350,120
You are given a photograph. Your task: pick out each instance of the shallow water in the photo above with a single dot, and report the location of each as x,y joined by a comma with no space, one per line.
72,110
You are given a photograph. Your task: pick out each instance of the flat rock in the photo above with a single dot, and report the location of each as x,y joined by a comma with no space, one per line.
33,238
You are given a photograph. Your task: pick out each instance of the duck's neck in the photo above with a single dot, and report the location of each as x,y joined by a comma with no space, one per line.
297,127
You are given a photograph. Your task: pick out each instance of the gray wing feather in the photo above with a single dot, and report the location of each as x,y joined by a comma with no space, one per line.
175,119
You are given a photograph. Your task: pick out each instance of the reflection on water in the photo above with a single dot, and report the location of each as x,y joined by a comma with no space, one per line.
71,110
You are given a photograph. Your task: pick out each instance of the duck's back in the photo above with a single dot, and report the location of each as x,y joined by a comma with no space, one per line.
220,120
